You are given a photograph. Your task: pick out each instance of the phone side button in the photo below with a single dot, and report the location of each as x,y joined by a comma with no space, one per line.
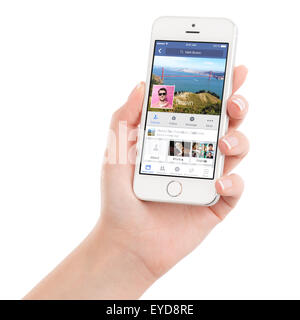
174,188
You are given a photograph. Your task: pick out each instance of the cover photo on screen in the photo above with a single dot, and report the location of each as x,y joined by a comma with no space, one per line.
186,84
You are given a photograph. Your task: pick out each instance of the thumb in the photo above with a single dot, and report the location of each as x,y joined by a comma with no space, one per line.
131,110
123,129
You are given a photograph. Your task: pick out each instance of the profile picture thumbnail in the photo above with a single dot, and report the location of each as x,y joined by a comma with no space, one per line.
179,148
162,97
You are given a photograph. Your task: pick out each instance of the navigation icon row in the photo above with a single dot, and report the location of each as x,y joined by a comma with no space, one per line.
167,119
167,168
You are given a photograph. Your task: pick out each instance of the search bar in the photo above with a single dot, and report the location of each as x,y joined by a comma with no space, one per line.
204,53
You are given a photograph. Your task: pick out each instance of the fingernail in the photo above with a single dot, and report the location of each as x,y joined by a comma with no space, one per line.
225,183
230,142
137,87
239,103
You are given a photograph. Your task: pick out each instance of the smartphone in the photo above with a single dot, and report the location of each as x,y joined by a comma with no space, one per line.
184,113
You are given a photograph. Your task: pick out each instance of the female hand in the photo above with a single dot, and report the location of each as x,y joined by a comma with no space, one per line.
160,234
135,241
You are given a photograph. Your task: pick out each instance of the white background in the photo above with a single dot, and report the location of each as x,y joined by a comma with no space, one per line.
65,66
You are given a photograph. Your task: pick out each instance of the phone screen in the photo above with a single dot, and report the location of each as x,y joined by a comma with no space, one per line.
184,109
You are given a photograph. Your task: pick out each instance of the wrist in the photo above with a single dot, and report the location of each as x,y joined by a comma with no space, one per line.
124,272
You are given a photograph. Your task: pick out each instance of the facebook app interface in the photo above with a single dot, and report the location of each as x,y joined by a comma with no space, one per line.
184,108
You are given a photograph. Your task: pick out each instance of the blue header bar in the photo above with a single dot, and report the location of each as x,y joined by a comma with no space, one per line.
191,49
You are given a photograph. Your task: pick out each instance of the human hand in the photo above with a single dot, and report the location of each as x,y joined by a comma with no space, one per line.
136,241
161,234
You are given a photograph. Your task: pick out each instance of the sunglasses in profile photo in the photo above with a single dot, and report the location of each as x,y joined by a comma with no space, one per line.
162,97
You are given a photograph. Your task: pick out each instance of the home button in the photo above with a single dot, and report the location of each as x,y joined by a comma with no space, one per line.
174,188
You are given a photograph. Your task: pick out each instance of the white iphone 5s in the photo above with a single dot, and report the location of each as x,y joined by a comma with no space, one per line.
184,113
